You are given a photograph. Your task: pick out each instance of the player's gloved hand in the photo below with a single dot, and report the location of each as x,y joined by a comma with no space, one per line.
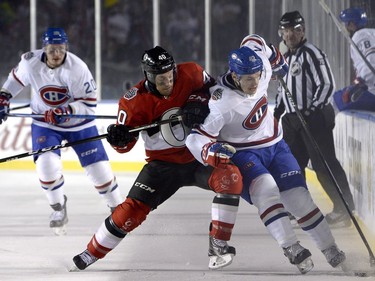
119,135
4,106
354,91
279,66
217,154
196,109
57,115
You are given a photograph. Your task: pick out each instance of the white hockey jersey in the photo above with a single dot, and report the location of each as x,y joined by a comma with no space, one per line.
365,41
236,118
69,84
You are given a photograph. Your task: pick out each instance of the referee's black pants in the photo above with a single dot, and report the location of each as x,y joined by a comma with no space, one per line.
320,124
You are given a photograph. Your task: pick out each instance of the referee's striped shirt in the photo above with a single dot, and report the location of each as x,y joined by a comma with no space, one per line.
309,80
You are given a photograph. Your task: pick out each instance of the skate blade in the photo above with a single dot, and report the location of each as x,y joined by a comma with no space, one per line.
60,231
305,266
217,262
73,268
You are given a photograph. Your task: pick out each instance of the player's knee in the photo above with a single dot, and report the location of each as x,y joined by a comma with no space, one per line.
130,214
49,167
264,192
298,201
227,181
100,173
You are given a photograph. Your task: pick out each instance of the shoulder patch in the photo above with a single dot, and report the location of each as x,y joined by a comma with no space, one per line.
217,94
131,93
28,55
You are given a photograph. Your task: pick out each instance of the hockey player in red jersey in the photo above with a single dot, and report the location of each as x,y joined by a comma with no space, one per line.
167,91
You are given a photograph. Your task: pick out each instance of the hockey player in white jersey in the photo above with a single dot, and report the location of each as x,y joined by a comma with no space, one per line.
361,94
62,84
241,121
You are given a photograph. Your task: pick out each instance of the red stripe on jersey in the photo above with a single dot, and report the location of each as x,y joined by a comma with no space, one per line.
86,99
259,42
16,78
173,155
201,132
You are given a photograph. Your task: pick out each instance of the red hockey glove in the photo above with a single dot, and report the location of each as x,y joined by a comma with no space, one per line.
56,116
217,154
4,106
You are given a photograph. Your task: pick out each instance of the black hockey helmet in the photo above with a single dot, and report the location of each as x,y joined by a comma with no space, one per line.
291,19
156,61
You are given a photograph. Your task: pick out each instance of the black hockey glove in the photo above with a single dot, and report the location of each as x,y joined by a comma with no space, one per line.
195,110
119,135
354,91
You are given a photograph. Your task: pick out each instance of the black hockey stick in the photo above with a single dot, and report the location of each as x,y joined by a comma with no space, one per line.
317,149
98,137
79,116
19,107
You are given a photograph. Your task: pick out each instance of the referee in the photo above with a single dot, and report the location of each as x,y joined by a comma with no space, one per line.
311,84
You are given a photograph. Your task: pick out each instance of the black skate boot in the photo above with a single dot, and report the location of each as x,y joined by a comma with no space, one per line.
300,257
83,260
220,253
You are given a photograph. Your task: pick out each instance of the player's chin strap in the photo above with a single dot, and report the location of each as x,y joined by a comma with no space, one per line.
177,118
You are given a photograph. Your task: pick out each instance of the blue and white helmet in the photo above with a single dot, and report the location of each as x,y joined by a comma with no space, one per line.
244,61
54,35
356,15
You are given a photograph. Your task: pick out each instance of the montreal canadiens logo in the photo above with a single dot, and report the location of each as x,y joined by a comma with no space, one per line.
54,95
254,119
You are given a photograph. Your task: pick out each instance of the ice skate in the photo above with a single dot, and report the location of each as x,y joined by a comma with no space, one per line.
338,219
300,257
220,253
59,218
334,256
83,260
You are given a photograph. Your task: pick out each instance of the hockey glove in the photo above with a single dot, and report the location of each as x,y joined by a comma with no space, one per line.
4,106
217,154
279,66
119,135
353,92
196,109
57,115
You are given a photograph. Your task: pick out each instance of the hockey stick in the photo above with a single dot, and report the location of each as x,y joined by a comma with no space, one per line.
19,107
79,116
343,30
98,137
317,149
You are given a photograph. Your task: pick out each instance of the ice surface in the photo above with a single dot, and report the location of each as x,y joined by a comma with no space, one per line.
170,245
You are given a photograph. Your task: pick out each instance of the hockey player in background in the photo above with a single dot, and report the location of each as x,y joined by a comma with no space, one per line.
241,121
62,84
311,83
361,94
166,90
